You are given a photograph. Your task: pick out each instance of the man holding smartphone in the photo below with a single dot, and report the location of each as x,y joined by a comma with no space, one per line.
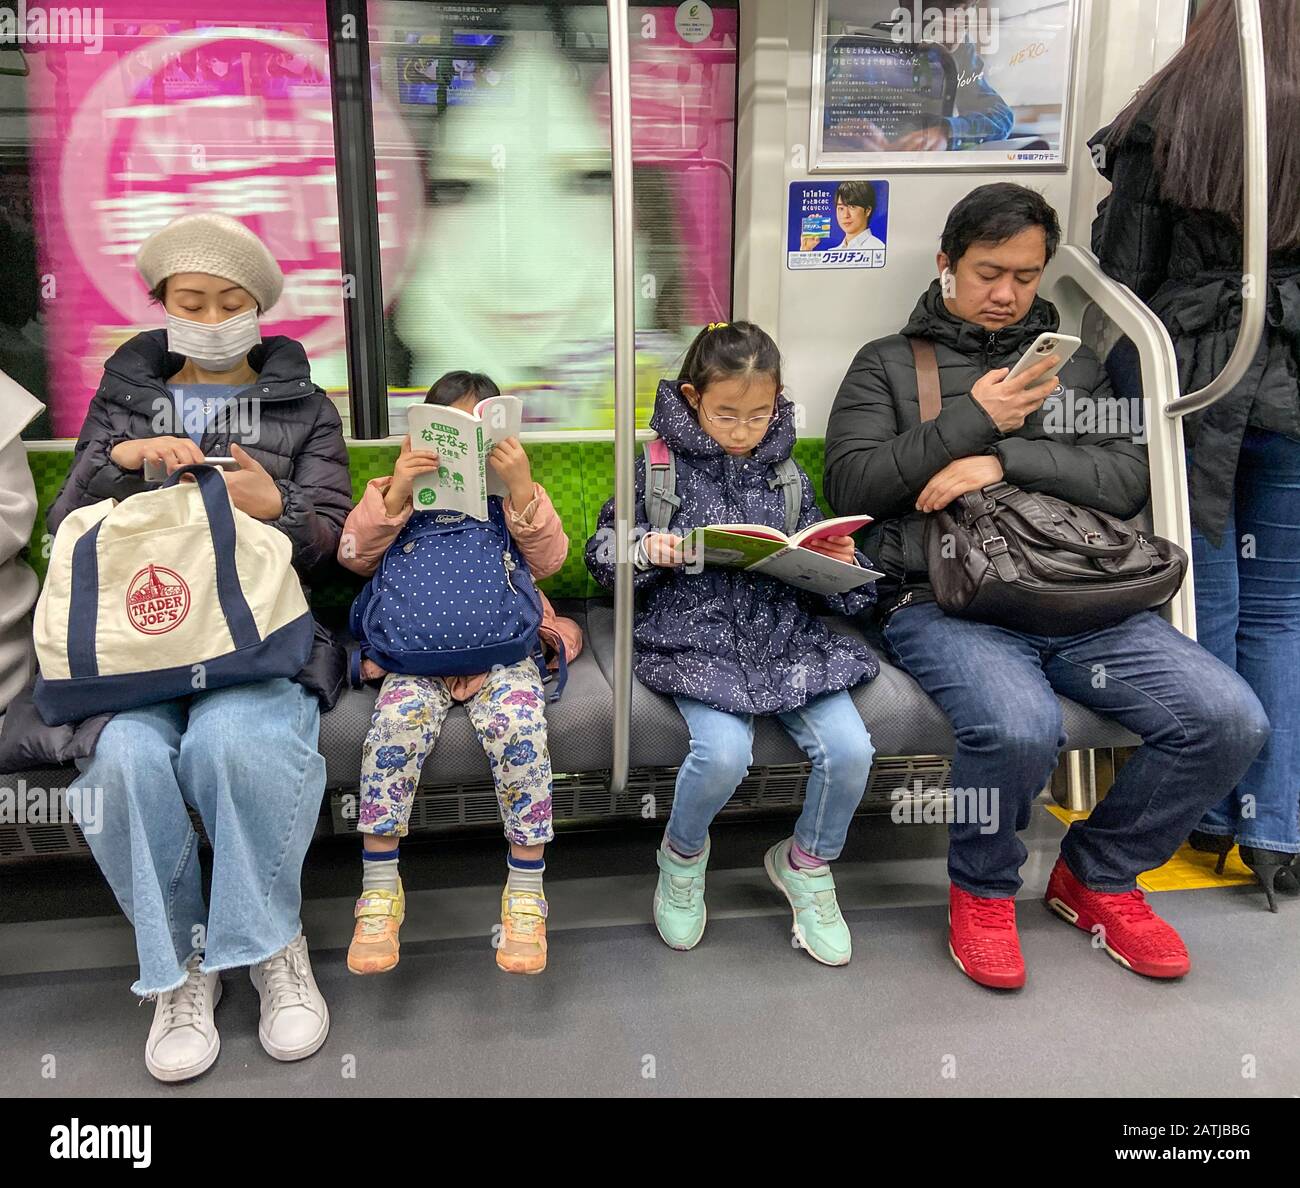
1200,723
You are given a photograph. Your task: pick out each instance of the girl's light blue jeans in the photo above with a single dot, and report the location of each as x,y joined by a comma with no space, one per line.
246,759
831,733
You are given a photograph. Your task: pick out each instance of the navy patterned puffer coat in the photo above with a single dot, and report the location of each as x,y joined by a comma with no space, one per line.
738,641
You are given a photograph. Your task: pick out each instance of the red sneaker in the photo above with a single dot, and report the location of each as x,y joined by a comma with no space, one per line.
983,940
1133,934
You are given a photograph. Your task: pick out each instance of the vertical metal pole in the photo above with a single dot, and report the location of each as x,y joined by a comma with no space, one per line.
354,158
620,127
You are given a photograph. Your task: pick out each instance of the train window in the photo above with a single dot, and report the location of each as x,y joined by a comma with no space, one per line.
498,166
155,111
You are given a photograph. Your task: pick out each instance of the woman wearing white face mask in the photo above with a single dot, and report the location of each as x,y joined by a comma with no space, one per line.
245,757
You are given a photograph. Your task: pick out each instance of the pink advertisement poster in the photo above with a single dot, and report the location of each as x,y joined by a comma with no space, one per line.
204,108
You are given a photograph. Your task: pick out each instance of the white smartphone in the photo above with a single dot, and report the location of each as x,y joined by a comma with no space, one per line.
1062,346
155,472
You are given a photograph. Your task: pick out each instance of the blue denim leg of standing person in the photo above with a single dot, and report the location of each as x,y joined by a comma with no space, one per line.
245,758
1248,615
830,731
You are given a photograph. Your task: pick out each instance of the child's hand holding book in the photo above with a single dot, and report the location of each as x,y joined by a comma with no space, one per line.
837,548
510,462
410,465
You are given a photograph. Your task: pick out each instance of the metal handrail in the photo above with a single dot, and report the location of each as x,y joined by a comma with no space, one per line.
620,127
1170,509
1254,119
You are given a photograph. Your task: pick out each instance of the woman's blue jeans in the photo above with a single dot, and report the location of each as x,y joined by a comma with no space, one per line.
1248,615
246,759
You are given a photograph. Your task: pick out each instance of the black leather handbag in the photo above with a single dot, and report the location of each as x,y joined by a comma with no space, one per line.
1036,563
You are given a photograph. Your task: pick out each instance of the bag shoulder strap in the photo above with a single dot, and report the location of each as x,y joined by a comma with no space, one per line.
661,499
928,391
786,477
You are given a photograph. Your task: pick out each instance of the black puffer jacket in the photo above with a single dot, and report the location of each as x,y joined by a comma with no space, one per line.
298,437
880,456
1187,266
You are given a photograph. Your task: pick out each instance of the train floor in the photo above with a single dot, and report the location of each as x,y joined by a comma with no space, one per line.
618,1013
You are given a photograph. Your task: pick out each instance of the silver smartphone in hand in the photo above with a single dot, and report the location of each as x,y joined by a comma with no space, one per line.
155,472
1062,346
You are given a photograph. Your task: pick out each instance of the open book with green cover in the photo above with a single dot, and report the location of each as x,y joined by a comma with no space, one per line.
770,551
462,441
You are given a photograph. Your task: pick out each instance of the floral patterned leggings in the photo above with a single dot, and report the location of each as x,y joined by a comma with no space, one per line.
507,714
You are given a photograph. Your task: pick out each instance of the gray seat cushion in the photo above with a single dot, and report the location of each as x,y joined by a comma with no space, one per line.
579,728
901,718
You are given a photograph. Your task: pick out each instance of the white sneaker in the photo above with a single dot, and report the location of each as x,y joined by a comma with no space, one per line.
183,1040
295,1019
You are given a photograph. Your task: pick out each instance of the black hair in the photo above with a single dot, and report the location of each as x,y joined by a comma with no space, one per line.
857,193
158,295
993,214
730,350
456,385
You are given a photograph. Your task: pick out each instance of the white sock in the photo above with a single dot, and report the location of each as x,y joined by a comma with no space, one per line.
379,873
525,877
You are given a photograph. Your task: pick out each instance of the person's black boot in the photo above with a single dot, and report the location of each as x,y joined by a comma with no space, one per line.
1211,843
1275,870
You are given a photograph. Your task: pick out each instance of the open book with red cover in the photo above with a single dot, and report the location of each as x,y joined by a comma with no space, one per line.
768,550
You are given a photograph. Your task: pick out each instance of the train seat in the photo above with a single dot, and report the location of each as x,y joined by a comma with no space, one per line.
579,476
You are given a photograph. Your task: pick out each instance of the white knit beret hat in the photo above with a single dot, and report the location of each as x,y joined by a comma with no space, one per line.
217,245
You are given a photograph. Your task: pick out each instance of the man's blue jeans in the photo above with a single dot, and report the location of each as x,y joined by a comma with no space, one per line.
246,759
1200,723
1248,615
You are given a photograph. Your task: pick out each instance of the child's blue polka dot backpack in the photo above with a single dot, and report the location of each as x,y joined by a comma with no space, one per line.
452,597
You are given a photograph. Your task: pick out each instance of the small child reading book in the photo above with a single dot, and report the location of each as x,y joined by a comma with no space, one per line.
729,644
505,703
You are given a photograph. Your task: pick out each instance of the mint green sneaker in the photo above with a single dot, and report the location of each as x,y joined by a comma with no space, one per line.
680,914
818,926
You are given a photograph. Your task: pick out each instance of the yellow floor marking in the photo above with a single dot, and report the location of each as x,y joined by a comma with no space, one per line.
1187,870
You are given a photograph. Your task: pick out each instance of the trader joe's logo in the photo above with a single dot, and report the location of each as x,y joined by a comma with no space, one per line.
157,600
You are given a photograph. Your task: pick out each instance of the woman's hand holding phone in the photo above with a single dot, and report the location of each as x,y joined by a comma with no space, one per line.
169,452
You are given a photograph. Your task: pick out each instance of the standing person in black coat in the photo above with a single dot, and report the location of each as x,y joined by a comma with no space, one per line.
1200,722
244,757
1171,230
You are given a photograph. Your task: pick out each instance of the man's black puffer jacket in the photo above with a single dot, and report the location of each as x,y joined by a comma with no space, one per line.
879,455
